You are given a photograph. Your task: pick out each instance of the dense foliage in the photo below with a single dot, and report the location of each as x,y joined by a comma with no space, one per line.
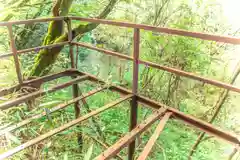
204,58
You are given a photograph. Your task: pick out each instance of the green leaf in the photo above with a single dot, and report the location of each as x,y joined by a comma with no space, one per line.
65,156
13,138
88,155
48,103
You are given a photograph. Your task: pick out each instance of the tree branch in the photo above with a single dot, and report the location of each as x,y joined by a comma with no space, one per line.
81,29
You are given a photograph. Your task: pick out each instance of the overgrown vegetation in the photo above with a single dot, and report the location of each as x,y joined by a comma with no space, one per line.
204,58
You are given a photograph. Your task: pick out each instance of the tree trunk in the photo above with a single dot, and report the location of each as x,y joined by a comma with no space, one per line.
47,57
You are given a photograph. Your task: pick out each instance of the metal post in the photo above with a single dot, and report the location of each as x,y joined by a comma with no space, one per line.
134,103
74,86
15,56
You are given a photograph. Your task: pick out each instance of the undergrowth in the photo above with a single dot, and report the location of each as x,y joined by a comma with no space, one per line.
174,142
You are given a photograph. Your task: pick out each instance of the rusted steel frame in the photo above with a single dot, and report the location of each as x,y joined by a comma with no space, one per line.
69,27
192,76
129,137
38,93
168,69
75,88
147,149
52,110
63,127
37,81
95,79
134,103
15,57
35,49
44,79
6,55
103,50
203,126
31,21
43,47
12,89
105,145
204,36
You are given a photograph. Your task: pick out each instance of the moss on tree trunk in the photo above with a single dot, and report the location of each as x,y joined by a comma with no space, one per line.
47,57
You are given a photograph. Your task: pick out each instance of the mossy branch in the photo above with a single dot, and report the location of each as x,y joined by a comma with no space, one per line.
47,57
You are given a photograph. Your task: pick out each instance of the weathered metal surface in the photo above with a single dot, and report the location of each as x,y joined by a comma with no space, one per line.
54,109
129,137
204,36
168,69
147,149
41,92
35,49
69,27
15,57
63,127
120,55
37,81
134,103
105,145
192,76
31,21
201,125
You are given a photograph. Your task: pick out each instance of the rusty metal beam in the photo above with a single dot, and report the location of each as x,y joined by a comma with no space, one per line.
168,69
147,149
192,76
41,92
104,144
52,110
75,89
131,136
15,57
6,55
38,81
43,47
204,36
134,103
43,79
36,49
63,127
201,125
112,53
12,89
31,21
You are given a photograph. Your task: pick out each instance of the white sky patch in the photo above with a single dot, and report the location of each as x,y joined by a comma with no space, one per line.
231,11
1,9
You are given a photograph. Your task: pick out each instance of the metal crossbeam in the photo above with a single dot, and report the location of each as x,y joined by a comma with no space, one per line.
147,149
52,110
135,97
63,127
41,92
129,137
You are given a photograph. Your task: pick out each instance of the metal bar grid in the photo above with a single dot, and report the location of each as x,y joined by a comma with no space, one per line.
134,103
147,149
15,57
62,128
131,136
132,95
165,68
